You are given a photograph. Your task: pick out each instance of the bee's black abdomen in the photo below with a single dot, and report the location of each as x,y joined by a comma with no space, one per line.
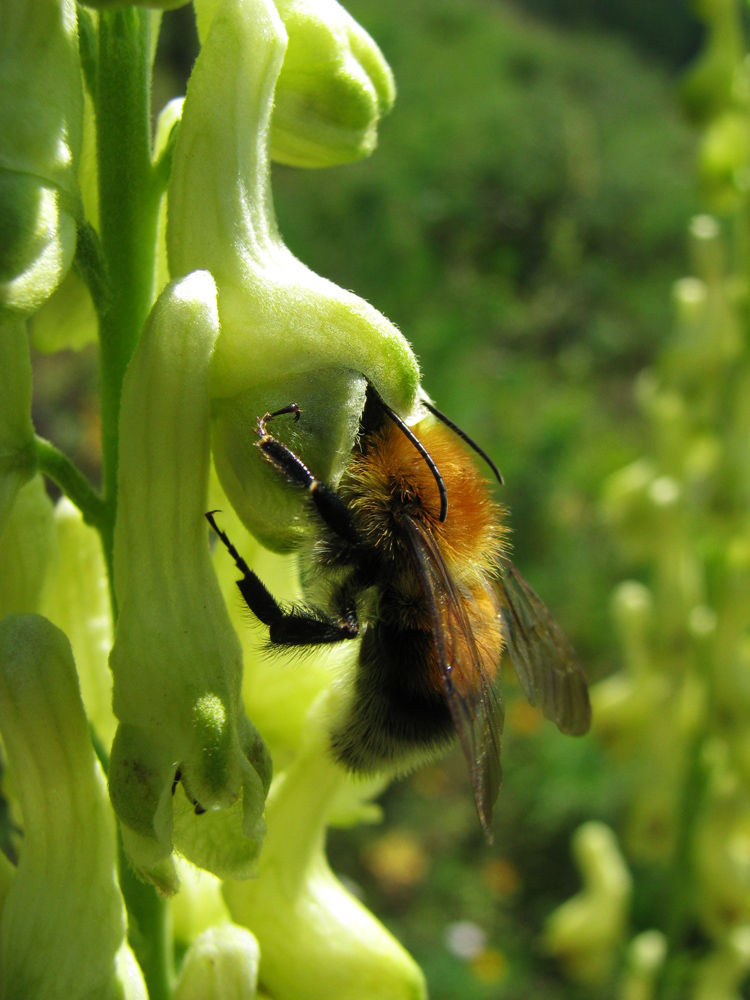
396,712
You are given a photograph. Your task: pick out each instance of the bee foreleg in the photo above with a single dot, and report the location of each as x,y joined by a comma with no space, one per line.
329,504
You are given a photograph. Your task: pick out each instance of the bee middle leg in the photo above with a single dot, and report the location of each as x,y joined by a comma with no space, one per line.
288,626
328,503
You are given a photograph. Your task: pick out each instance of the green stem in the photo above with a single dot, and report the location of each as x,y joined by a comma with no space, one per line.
58,467
148,929
128,210
128,213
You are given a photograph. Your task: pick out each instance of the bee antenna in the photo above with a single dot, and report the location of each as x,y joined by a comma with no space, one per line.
465,437
424,453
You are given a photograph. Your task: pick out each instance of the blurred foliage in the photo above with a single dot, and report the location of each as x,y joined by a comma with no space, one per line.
665,28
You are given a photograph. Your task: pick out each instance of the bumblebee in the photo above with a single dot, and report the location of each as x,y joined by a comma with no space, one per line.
414,552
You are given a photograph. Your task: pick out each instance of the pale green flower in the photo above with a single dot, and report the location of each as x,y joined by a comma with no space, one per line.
222,963
176,660
286,333
333,88
587,931
62,925
41,109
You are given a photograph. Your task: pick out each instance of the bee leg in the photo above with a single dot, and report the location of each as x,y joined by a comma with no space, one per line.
329,504
287,626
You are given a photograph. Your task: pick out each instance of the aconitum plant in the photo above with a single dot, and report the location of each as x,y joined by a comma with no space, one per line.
120,650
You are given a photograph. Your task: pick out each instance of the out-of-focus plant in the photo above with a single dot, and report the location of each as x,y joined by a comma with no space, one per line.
675,719
165,250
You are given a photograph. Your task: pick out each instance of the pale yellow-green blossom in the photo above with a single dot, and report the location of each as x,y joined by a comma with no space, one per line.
27,548
41,109
586,932
286,333
644,959
183,741
62,926
333,88
221,963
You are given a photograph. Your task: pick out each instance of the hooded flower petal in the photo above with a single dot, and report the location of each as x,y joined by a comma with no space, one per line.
587,931
333,88
286,333
63,922
176,661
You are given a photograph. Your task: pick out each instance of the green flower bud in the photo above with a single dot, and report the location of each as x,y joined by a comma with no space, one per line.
645,957
586,932
690,296
62,930
27,547
176,660
707,249
41,108
221,964
723,162
17,454
286,333
76,599
316,940
626,506
67,320
333,88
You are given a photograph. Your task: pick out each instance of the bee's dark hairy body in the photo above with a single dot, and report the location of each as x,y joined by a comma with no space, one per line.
396,709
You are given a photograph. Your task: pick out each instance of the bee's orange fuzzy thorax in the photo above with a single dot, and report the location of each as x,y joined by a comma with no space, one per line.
392,474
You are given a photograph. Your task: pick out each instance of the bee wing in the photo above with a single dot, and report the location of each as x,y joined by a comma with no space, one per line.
545,662
477,711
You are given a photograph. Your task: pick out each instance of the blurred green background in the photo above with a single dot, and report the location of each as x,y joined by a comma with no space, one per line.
522,221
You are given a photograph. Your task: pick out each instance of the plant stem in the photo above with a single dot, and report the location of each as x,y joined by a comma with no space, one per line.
58,467
128,207
148,929
128,212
